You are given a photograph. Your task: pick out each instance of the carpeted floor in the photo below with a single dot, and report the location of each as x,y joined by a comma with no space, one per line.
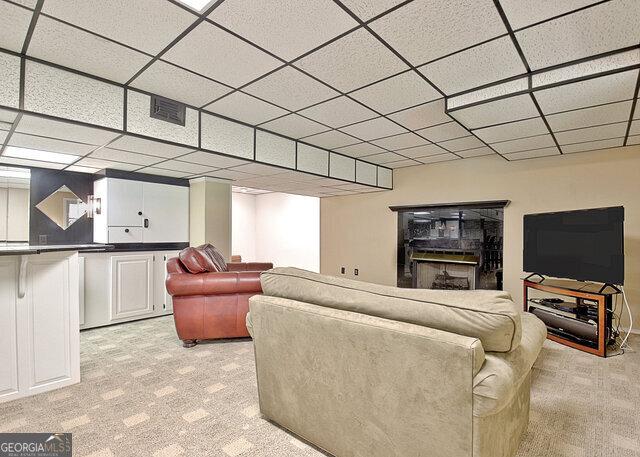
142,394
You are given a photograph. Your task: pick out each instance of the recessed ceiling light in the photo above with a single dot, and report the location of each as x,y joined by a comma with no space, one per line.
35,154
198,5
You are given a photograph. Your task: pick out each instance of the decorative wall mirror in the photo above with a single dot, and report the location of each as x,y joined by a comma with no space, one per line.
63,207
14,205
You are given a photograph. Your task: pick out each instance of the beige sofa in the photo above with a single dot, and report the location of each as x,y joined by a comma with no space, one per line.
359,369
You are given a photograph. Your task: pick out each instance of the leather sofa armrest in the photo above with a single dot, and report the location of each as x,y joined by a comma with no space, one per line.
216,283
249,266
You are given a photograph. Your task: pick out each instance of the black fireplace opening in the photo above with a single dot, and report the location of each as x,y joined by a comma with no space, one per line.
451,247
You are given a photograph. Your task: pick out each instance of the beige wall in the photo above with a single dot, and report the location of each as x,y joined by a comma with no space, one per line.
360,231
210,214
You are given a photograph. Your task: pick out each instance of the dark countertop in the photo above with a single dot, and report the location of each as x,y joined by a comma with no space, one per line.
25,249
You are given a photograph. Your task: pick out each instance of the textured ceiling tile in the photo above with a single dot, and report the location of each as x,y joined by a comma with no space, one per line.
10,77
275,149
81,169
478,152
176,165
484,64
229,174
331,140
521,13
14,23
396,93
104,164
460,144
633,140
177,84
366,173
245,108
338,112
35,125
423,31
367,9
258,169
512,130
144,146
524,144
49,144
383,158
163,172
70,47
139,121
374,128
228,137
313,159
496,112
403,164
31,163
121,20
593,145
439,158
341,167
533,154
288,28
406,140
601,28
294,126
444,132
601,132
423,151
360,149
352,62
606,89
605,114
67,95
290,89
385,177
125,156
6,115
204,48
426,115
211,160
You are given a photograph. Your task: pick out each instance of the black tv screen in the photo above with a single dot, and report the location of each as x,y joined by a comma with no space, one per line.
587,245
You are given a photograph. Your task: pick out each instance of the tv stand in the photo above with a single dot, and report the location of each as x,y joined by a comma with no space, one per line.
583,320
542,278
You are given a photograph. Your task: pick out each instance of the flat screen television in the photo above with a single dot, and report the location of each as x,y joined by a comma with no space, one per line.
587,245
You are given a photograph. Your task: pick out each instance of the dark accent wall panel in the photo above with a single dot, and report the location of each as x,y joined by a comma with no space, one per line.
43,183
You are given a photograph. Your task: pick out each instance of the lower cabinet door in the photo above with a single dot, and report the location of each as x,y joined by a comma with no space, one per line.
132,279
165,299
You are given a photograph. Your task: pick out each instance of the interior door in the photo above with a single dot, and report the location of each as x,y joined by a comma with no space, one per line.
125,202
131,286
166,213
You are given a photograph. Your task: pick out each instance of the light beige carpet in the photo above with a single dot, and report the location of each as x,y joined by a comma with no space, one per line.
142,394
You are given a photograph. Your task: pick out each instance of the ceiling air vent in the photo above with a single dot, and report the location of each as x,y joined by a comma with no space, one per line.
167,110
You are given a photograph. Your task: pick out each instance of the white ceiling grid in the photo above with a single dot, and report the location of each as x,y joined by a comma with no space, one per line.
351,76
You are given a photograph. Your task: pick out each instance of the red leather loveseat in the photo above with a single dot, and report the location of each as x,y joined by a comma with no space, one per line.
210,296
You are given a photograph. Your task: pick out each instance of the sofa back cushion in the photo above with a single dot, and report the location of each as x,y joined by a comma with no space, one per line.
203,259
490,316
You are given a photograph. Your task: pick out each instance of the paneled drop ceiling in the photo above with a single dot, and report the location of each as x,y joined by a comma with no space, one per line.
389,83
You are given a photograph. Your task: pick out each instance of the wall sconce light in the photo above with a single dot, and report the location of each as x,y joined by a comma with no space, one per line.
94,207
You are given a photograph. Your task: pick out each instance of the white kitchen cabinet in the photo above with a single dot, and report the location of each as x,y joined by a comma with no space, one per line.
132,279
124,286
140,212
39,301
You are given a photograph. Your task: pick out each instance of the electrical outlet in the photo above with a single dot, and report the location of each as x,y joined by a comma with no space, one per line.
355,272
343,270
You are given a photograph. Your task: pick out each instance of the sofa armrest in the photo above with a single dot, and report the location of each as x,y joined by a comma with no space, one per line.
218,283
249,266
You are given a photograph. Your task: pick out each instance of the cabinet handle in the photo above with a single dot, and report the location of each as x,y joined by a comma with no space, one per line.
146,223
139,213
126,230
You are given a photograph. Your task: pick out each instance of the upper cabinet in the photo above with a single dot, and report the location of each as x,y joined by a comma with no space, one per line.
140,212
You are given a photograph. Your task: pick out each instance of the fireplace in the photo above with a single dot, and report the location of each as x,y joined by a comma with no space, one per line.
444,271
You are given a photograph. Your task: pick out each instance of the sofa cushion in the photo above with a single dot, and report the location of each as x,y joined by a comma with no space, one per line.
216,257
196,261
497,382
490,316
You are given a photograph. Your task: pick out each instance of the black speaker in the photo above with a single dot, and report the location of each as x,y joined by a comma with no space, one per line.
581,329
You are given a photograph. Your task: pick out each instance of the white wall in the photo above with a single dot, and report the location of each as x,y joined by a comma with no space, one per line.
279,228
243,226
